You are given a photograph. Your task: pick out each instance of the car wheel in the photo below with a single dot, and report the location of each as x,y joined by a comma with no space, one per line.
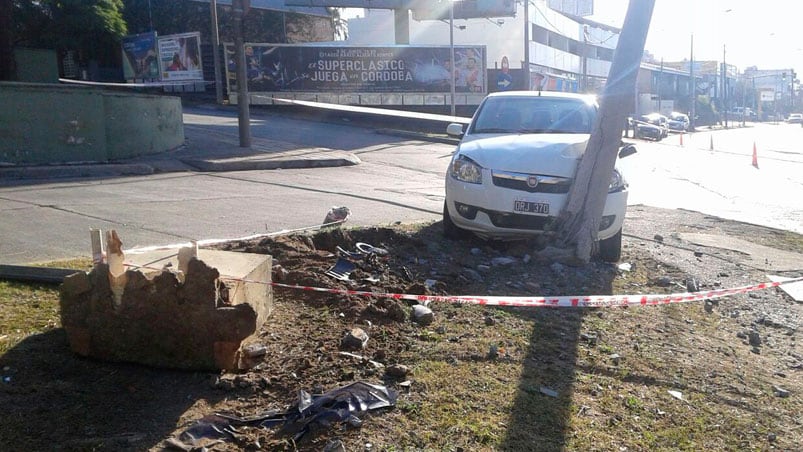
610,249
450,230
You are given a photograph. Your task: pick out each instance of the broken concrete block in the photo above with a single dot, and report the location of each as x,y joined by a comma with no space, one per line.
76,283
200,323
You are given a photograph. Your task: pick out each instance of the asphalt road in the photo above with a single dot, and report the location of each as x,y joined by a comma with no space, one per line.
399,179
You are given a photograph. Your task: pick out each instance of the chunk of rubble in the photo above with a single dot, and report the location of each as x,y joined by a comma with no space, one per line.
151,314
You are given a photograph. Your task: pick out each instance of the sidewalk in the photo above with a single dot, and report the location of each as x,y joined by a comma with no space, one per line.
203,150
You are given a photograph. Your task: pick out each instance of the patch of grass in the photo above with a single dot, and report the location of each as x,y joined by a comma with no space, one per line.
26,309
31,308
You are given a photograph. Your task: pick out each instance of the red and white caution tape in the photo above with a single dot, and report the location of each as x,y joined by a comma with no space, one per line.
574,301
586,301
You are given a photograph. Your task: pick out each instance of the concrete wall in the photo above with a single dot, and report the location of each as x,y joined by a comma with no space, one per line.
45,124
36,65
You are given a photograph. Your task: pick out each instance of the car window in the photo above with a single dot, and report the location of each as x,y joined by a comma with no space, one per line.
533,115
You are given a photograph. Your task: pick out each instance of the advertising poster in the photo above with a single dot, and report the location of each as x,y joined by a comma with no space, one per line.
140,63
397,69
180,57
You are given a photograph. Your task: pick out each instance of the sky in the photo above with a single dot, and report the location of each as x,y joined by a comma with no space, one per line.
764,33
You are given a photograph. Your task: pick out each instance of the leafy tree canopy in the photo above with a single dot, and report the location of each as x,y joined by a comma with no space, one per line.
68,24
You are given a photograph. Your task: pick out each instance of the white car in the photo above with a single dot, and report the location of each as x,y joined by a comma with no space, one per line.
510,175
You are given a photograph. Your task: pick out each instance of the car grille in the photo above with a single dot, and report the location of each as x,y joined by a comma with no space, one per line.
518,181
518,221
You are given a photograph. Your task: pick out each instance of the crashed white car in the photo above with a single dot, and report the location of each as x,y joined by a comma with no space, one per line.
510,175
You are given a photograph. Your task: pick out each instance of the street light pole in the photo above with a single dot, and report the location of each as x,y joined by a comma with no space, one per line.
660,81
724,86
451,52
243,113
526,68
692,87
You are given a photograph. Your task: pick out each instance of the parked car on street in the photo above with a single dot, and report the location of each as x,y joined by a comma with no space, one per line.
514,166
795,118
643,129
657,120
678,122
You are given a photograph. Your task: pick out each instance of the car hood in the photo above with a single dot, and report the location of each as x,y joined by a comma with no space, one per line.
547,154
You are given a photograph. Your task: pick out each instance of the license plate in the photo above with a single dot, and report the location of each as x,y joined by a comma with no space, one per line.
531,207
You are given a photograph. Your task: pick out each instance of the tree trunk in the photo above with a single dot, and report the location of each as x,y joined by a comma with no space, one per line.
583,211
6,40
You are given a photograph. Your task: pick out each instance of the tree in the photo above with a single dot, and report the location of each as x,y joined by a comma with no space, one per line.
90,26
583,211
6,40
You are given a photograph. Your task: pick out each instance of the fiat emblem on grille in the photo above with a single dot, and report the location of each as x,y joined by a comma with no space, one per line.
532,181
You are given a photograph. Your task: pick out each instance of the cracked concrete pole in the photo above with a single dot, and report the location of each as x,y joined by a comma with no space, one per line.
116,258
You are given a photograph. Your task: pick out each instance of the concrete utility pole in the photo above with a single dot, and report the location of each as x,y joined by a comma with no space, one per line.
243,113
581,217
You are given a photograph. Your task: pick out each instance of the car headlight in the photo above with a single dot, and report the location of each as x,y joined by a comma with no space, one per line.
465,170
618,182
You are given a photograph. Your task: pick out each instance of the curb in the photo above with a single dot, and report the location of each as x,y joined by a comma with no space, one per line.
249,165
70,171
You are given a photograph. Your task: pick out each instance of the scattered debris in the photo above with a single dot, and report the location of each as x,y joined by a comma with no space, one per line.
362,359
663,281
336,215
780,392
550,392
692,285
355,339
625,267
422,315
398,370
310,413
676,394
754,338
341,270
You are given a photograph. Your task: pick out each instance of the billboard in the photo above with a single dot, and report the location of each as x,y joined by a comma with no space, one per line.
180,57
140,62
380,69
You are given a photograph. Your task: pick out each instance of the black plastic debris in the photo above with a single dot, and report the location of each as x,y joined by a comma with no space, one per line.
366,257
205,432
310,413
341,269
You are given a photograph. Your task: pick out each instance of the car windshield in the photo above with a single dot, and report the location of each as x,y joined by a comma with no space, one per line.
534,115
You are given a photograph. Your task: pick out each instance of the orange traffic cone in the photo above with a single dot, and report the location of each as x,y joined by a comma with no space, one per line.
681,138
755,156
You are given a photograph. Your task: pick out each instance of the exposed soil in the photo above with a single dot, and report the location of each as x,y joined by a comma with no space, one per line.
730,359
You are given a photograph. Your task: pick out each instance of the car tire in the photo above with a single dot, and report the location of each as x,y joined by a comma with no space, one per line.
450,230
610,249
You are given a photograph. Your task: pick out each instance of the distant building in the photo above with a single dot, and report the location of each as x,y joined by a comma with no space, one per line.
564,52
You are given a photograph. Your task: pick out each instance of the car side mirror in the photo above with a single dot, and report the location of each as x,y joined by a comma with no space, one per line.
627,150
454,130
